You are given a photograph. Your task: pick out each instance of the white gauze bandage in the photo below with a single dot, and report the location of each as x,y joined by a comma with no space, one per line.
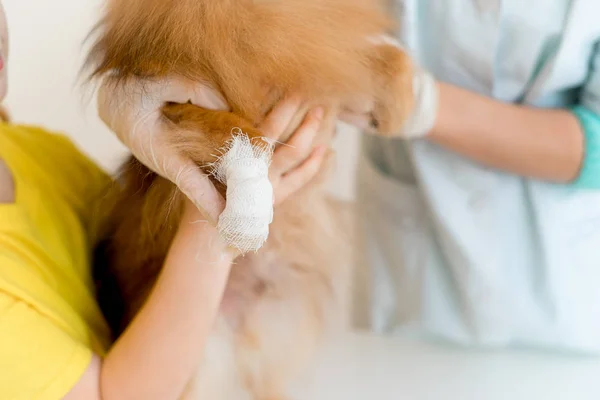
244,169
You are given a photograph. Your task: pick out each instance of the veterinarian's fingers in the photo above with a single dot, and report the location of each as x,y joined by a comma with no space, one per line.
299,145
277,121
177,89
199,189
300,176
209,98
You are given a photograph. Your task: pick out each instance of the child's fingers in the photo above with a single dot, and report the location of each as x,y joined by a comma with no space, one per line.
280,117
297,178
299,145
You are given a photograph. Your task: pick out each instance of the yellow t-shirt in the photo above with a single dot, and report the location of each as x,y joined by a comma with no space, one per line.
50,323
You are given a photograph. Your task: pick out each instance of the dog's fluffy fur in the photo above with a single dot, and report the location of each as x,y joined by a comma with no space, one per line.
279,301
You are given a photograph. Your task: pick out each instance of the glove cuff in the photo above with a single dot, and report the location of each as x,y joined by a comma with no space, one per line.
426,97
426,104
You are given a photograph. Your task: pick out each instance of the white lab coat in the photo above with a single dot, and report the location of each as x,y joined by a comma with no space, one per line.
469,254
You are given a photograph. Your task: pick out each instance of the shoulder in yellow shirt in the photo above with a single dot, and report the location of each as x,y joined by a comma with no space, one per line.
50,323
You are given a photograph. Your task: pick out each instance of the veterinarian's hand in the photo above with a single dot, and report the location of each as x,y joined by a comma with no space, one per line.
388,114
133,111
296,162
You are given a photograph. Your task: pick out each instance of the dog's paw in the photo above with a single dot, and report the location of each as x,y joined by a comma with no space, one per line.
393,79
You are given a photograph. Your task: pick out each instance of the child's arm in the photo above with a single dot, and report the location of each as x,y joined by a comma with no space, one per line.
157,355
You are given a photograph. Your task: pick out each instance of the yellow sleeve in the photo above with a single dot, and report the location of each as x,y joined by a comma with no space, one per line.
86,186
61,167
38,361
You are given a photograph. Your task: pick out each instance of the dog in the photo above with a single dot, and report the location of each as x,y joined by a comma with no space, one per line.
282,300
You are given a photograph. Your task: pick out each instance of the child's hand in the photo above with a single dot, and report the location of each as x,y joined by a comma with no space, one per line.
295,162
132,110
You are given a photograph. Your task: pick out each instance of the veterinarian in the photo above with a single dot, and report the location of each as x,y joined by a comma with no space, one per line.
481,220
54,342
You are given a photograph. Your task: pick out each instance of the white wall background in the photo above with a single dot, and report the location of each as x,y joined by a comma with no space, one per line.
47,49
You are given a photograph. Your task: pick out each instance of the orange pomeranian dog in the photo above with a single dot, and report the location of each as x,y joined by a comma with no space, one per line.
290,291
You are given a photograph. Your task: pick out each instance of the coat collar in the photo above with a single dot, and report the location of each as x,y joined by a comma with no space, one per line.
580,34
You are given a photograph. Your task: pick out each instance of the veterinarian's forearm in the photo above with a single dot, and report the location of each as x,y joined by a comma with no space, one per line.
157,355
543,144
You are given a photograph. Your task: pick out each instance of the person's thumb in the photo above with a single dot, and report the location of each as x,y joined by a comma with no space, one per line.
181,90
197,186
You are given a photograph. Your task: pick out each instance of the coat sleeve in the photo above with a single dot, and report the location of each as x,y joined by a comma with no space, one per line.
588,114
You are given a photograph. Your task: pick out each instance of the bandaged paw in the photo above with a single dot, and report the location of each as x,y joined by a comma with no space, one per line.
244,169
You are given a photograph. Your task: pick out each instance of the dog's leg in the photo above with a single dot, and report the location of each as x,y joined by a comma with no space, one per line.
203,131
218,377
280,334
